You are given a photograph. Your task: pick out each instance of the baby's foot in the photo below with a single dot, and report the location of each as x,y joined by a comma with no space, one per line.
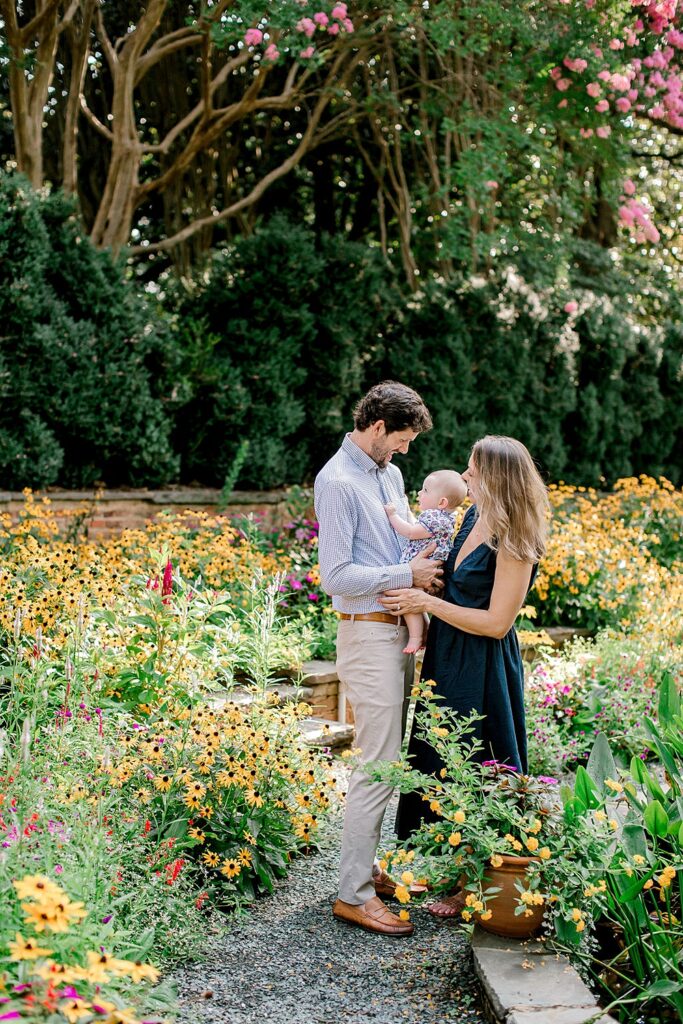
414,645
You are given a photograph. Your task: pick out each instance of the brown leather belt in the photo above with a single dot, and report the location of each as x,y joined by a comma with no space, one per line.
373,617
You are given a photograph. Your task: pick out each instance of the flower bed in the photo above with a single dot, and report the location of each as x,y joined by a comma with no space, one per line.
124,780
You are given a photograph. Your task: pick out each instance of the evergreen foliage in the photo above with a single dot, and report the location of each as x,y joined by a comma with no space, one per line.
77,393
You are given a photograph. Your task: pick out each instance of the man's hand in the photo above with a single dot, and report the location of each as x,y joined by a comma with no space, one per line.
426,571
390,509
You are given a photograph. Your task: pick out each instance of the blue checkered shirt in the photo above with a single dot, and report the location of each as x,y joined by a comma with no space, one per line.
359,550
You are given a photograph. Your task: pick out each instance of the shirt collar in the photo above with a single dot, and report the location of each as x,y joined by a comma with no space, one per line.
361,458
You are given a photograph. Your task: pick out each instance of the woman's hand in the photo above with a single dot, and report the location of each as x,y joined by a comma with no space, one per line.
405,601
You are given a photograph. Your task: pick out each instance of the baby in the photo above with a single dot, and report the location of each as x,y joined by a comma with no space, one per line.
441,494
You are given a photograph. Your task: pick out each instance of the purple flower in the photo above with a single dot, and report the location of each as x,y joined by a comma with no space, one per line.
312,597
548,780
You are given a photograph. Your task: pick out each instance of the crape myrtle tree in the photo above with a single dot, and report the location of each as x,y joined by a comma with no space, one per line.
455,137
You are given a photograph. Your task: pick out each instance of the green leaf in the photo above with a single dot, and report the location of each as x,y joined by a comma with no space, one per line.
601,765
584,789
633,840
656,819
664,987
629,892
669,700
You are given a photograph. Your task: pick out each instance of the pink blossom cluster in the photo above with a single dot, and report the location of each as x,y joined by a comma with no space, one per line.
636,216
652,85
337,22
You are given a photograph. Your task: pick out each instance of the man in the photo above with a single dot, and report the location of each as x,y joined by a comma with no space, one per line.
359,554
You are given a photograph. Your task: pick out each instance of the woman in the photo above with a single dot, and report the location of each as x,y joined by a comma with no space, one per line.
472,649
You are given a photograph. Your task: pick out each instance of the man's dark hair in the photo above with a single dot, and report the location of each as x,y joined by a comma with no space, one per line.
399,406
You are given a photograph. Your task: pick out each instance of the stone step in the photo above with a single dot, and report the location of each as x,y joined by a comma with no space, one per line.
243,696
318,732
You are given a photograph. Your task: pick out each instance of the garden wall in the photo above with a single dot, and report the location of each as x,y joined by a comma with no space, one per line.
104,513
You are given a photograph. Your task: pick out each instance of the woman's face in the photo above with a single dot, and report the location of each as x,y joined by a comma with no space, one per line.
471,478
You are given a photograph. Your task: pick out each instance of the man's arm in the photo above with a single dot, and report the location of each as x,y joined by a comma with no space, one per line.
339,574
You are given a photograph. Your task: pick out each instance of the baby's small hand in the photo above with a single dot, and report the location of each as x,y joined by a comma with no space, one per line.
390,509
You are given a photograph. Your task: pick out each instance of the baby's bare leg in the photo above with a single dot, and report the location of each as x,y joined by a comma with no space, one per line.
415,623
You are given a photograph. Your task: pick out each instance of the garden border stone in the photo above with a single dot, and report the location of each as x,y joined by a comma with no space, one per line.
523,982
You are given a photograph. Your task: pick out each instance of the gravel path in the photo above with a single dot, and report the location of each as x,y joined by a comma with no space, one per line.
290,962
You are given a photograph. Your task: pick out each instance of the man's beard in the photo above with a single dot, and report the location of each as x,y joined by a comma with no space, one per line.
380,455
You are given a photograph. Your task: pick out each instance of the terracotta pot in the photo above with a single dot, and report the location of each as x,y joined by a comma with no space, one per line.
503,920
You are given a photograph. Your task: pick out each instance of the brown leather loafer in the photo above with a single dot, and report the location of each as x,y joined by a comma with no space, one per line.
385,885
372,916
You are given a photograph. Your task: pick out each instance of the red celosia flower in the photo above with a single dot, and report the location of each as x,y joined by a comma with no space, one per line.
167,582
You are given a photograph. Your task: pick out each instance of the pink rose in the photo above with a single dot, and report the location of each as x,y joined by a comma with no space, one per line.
604,76
556,73
623,105
271,53
562,104
563,84
491,184
571,307
340,12
348,25
321,18
593,89
601,106
253,36
308,52
629,187
333,29
586,133
603,131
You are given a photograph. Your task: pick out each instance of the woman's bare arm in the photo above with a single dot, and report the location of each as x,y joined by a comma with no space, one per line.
510,588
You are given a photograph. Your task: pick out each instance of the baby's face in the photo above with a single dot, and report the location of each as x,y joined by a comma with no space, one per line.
429,496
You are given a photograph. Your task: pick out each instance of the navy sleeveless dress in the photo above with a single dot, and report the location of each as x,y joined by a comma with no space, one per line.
472,673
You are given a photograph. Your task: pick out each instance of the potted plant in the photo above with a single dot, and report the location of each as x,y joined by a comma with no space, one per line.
486,816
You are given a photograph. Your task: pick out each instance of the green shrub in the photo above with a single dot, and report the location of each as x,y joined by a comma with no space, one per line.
77,394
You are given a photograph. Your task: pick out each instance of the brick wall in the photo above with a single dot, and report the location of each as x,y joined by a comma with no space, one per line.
109,512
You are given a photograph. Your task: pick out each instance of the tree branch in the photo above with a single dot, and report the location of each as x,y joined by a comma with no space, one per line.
95,121
258,190
28,32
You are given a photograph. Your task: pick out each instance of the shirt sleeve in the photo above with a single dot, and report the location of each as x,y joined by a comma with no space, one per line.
340,576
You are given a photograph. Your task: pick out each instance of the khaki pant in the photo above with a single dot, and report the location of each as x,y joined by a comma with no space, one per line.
378,677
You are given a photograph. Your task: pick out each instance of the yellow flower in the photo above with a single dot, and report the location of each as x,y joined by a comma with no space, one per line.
74,1009
496,860
532,843
486,915
466,915
648,884
230,868
137,971
435,806
245,857
26,949
544,853
455,838
407,877
196,834
38,887
536,827
163,783
459,817
638,859
616,787
402,894
404,915
211,859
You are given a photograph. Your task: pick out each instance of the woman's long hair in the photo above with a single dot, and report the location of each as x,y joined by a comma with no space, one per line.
513,504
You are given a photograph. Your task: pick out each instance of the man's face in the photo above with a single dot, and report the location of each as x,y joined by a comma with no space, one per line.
385,445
